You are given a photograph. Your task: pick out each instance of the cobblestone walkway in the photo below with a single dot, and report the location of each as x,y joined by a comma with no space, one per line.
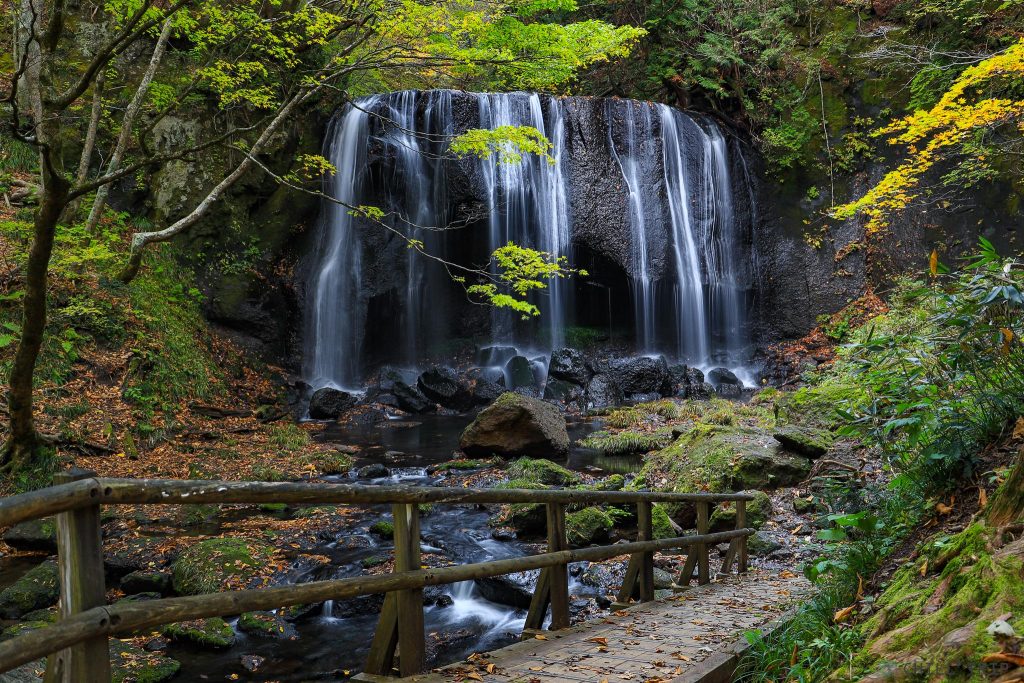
648,643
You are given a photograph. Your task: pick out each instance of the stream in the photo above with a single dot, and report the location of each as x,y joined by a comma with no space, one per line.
335,638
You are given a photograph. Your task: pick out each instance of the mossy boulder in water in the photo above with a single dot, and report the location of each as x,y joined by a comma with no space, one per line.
589,525
38,588
266,624
218,563
541,471
516,425
214,633
131,664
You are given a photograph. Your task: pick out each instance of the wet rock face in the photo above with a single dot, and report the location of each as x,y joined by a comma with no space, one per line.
569,365
514,590
445,387
516,425
399,388
639,375
37,589
329,404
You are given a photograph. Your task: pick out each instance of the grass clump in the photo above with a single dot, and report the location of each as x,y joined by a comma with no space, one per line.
621,443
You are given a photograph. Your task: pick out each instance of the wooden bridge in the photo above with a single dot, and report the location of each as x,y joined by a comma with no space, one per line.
77,645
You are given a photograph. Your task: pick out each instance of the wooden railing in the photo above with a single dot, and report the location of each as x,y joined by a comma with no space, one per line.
77,645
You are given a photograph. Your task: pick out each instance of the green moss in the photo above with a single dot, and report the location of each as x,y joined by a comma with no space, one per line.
521,484
526,518
805,440
661,523
327,462
131,664
37,589
463,464
214,633
816,405
587,526
383,528
759,511
373,561
23,627
615,482
266,624
917,615
542,471
207,566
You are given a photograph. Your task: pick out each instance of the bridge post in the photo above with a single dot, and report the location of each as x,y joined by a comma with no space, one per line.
82,587
741,523
401,618
703,570
645,532
559,575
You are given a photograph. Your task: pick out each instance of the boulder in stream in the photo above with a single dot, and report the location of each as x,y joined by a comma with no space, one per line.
514,590
640,374
38,588
35,535
444,386
208,566
569,365
603,391
329,404
516,425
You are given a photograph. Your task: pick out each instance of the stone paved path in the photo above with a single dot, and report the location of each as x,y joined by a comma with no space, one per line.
648,643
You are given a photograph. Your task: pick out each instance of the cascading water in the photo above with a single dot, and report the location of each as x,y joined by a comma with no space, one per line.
638,137
685,256
527,202
334,318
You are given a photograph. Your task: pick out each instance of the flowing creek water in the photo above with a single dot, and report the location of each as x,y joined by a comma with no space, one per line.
335,637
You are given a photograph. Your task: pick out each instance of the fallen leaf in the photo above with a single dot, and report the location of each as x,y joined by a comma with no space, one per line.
1016,660
924,568
1018,428
843,614
490,668
982,497
598,640
475,676
943,509
538,637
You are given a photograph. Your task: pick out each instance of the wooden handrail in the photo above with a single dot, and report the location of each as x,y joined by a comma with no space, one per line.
65,497
78,642
115,619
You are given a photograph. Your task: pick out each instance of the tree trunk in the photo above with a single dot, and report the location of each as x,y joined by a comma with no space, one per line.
23,440
1008,505
87,148
126,125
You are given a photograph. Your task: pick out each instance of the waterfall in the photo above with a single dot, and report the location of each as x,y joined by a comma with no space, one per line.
656,197
334,332
527,202
632,163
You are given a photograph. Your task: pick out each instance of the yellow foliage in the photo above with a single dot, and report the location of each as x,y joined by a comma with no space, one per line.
930,135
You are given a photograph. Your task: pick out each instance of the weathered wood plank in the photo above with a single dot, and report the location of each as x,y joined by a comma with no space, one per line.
48,501
559,573
703,569
645,532
539,603
628,587
385,639
171,491
741,523
82,586
412,656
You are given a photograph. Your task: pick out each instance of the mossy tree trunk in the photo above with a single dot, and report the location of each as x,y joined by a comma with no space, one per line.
1007,506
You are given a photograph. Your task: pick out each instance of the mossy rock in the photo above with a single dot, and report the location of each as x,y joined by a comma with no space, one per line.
816,406
37,589
807,441
213,633
146,582
266,624
542,471
589,525
132,664
661,523
758,512
761,544
720,459
528,519
615,482
23,627
210,565
462,464
941,618
383,528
